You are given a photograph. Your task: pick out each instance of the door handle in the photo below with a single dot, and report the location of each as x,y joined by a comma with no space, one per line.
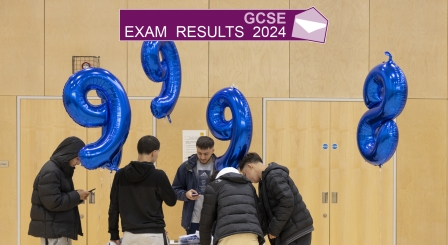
92,198
334,197
324,197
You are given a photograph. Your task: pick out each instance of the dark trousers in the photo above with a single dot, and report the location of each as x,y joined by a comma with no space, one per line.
305,240
193,228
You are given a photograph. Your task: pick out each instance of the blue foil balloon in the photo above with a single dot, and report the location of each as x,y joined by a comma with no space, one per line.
238,130
167,71
113,114
385,94
117,159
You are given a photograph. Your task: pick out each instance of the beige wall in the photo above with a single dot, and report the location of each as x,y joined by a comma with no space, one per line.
40,37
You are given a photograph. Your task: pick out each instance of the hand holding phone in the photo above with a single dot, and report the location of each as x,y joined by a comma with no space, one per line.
193,195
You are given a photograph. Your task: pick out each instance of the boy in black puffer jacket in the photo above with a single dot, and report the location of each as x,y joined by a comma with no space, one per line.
54,211
231,201
289,221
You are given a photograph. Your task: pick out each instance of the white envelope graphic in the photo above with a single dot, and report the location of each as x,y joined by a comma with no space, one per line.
310,26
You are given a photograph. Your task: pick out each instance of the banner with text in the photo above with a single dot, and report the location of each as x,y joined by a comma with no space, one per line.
223,25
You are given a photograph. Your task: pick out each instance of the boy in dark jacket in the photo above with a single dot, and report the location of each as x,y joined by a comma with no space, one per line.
289,221
54,211
232,202
137,194
190,182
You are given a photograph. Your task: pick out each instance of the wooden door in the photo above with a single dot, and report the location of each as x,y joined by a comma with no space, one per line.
43,125
295,134
421,173
362,213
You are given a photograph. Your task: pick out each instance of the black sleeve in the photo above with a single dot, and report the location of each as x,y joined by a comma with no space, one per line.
51,196
208,215
278,187
114,211
166,191
260,212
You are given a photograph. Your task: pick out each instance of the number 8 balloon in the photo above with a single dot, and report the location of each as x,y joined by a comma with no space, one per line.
238,130
113,114
385,94
168,71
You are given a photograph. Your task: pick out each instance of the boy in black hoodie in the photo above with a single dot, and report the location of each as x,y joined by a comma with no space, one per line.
289,221
137,194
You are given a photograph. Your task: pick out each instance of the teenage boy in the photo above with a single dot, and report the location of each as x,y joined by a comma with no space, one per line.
289,221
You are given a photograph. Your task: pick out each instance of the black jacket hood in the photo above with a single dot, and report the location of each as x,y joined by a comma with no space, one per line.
138,171
234,177
67,150
273,166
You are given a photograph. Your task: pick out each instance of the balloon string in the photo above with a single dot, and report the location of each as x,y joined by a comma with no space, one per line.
381,205
99,206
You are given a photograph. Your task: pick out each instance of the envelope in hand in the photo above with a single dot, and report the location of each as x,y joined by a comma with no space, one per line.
310,25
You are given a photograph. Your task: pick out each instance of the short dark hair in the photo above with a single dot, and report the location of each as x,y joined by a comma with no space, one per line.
205,142
250,157
148,144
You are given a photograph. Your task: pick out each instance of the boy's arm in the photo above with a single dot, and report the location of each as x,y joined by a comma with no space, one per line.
260,211
166,191
179,184
114,211
278,187
51,196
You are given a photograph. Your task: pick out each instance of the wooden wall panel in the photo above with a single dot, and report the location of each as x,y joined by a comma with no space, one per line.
415,32
193,56
22,47
8,176
295,134
256,145
338,68
421,173
365,192
44,124
101,179
189,114
259,69
82,28
250,4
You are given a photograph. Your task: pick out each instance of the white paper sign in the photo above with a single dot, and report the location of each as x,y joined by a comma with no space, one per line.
189,138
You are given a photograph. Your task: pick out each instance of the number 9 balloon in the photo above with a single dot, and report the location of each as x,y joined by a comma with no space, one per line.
385,94
113,114
238,129
168,71
113,165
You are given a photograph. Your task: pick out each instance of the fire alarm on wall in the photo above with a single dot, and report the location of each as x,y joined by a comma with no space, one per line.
85,65
84,62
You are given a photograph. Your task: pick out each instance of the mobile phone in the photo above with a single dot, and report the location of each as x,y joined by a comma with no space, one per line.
92,189
194,194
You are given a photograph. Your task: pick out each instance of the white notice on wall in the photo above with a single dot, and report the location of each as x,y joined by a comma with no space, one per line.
189,138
